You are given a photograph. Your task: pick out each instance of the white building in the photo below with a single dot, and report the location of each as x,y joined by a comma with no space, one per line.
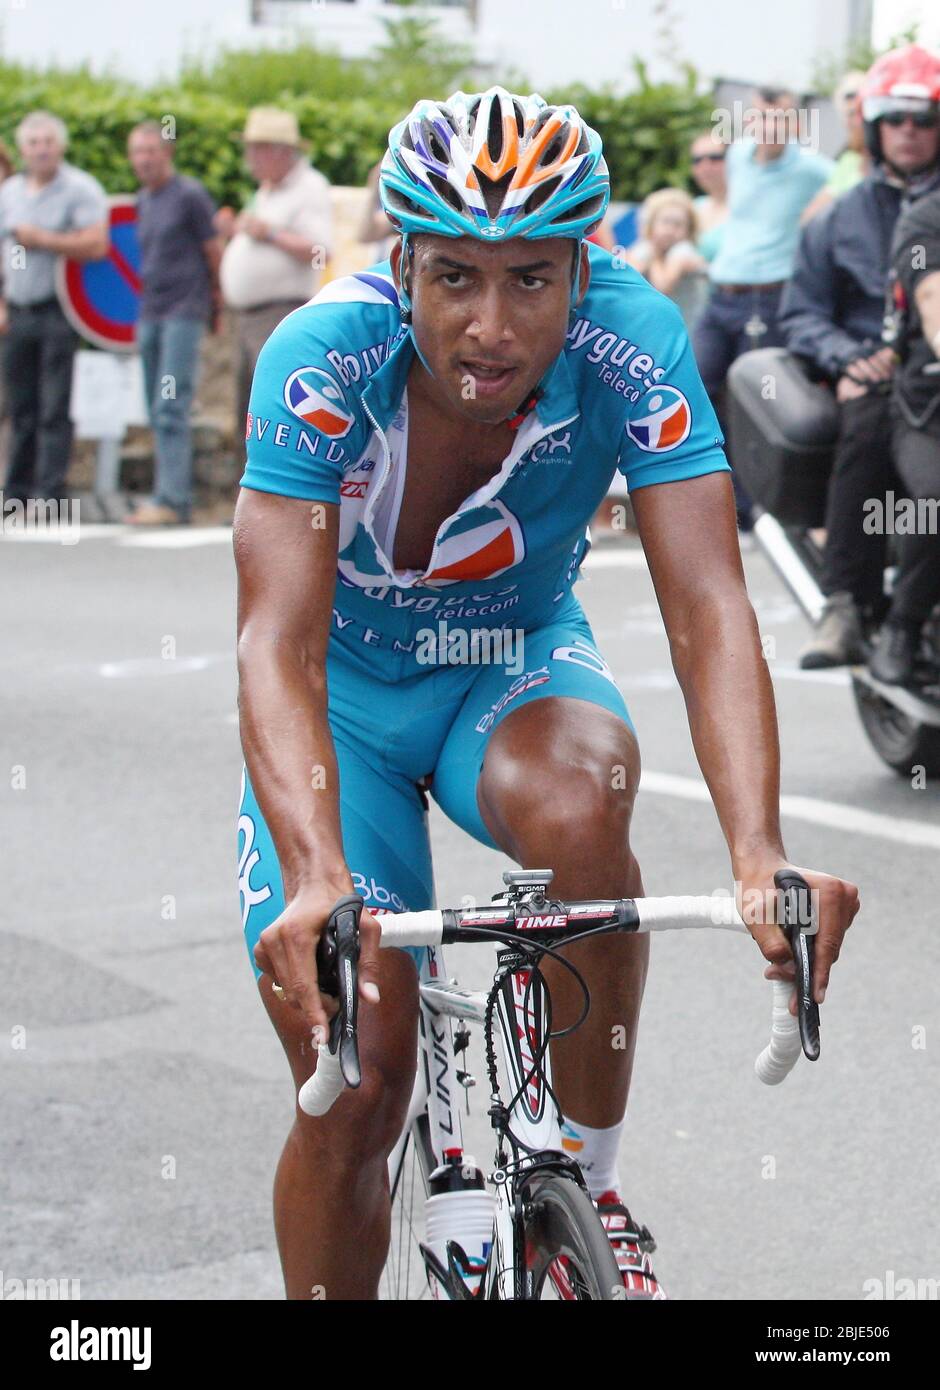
551,41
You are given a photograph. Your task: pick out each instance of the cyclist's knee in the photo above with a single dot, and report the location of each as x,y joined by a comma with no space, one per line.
364,1123
572,774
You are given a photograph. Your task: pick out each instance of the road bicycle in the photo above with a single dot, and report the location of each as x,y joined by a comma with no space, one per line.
533,1232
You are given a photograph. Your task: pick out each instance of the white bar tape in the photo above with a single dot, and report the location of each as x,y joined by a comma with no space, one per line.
411,928
674,913
318,1094
782,1052
398,929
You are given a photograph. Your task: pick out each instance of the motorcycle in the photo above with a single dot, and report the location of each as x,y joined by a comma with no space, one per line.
783,429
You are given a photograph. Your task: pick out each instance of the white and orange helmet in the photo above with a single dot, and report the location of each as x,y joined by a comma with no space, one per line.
494,165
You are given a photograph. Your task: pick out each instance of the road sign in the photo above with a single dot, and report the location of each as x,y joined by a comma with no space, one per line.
101,299
107,394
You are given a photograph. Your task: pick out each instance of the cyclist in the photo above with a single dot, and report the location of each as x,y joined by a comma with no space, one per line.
426,443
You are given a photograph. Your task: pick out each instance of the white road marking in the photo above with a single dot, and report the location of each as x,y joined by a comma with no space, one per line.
176,540
834,815
632,558
56,535
157,666
788,672
664,678
124,535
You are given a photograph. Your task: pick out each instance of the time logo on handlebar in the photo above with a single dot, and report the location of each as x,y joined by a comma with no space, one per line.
552,921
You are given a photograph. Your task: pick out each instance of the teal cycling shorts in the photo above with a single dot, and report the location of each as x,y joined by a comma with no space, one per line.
389,736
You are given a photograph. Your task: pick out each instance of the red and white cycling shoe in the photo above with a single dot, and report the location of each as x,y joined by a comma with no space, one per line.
632,1246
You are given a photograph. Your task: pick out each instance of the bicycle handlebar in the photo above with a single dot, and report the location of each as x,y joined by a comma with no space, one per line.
338,953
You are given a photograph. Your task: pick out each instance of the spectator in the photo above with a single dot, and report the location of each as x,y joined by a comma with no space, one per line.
915,322
51,209
666,252
180,256
375,227
831,314
853,163
7,167
770,181
709,159
278,244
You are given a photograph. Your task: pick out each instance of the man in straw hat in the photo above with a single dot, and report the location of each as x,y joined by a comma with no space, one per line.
278,244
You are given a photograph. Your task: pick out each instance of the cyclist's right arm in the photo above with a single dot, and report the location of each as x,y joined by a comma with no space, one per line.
286,568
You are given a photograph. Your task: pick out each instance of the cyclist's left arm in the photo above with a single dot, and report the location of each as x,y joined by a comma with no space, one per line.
689,532
680,486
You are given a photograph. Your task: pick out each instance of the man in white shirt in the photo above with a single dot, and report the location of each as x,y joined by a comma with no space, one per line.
278,245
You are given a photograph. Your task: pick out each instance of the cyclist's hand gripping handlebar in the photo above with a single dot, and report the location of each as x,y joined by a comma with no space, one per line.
790,1034
337,966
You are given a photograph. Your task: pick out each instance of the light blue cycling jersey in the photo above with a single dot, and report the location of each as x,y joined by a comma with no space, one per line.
326,424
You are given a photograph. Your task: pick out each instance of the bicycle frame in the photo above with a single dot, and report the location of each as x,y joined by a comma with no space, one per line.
532,1118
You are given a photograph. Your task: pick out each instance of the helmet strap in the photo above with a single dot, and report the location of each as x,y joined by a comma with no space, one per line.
575,282
404,298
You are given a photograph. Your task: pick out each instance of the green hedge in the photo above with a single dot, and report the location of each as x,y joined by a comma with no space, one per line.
646,133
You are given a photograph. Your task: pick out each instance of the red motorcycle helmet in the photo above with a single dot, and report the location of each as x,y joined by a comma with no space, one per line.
906,79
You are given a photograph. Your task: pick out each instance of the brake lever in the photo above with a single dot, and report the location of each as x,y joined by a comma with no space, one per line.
797,916
337,968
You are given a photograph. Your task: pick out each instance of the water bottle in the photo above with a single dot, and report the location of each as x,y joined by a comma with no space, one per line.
459,1208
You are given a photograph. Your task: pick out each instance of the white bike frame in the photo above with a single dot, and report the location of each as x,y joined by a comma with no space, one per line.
533,1116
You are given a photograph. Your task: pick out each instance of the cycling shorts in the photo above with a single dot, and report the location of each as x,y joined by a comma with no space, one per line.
388,736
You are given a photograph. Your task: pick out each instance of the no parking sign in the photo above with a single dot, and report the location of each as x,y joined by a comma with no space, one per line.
101,299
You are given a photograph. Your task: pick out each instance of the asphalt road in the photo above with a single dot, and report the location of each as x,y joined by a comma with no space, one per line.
145,1095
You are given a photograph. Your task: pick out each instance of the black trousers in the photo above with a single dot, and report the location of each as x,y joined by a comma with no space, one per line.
863,469
917,457
38,368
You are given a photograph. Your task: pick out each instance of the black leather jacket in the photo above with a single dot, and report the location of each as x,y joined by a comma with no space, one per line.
832,309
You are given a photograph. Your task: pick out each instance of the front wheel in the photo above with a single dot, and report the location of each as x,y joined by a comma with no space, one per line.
566,1250
899,739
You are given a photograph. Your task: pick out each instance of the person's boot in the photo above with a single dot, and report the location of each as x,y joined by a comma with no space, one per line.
837,640
895,653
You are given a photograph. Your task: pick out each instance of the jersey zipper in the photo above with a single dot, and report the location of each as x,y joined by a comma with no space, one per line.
498,480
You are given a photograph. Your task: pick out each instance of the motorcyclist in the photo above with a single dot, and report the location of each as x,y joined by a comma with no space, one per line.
831,315
912,327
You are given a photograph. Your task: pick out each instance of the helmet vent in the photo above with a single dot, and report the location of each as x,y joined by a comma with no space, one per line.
445,191
543,116
554,148
591,207
542,194
494,131
402,203
436,145
494,191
